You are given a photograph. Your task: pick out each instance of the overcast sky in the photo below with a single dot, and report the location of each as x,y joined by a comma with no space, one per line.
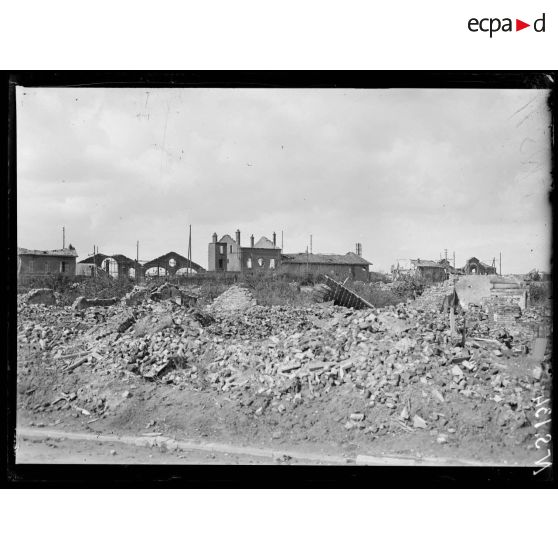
408,173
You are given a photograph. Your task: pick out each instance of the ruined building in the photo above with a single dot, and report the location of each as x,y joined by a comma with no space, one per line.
228,254
119,266
41,263
475,267
424,270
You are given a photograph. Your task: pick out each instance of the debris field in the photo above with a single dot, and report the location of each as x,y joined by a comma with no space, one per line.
390,379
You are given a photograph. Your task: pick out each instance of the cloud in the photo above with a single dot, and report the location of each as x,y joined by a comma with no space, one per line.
406,172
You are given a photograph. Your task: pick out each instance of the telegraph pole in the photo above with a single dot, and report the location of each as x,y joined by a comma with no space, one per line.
190,252
311,244
500,263
281,241
63,238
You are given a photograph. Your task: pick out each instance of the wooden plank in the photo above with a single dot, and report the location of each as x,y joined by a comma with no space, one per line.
345,297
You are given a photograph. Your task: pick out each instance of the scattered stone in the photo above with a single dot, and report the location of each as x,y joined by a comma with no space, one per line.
282,357
41,296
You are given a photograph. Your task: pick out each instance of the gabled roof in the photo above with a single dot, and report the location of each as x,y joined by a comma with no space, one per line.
265,243
66,252
350,258
228,239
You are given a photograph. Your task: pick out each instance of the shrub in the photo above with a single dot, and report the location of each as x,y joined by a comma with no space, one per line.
539,292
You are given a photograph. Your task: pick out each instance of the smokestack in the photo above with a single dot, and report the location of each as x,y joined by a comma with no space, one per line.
214,238
252,241
238,237
274,239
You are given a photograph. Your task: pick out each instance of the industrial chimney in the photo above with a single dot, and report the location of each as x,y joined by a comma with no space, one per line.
359,249
274,239
238,237
252,241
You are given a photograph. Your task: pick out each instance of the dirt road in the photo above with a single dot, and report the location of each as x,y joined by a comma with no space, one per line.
38,445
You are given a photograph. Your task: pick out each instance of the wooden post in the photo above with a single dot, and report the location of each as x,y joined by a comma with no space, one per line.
452,321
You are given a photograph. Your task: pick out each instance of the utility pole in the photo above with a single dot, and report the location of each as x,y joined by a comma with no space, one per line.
94,270
190,251
281,241
500,263
63,238
311,244
454,260
137,251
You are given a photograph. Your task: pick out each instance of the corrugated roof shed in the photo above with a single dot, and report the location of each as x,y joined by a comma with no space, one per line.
66,252
426,263
330,259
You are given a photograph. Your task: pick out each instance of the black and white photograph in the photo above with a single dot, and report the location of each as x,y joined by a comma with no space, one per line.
285,276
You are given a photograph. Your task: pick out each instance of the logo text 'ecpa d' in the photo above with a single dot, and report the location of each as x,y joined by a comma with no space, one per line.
493,25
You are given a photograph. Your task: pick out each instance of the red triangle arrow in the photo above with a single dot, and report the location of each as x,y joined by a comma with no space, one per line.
519,25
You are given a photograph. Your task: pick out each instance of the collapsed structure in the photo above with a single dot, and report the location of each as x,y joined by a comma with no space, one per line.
168,265
41,263
300,374
228,254
432,271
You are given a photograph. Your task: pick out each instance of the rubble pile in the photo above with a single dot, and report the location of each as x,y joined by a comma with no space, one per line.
401,367
164,291
433,296
39,296
235,299
503,313
81,302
